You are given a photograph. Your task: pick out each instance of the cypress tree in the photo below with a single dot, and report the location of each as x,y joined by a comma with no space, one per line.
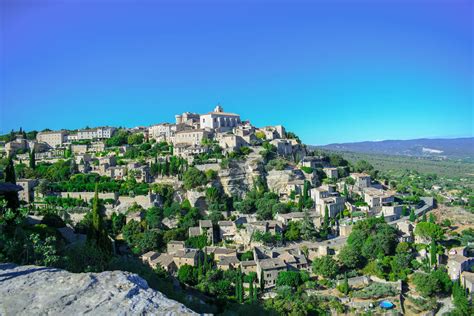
11,197
423,219
346,191
433,251
262,282
412,215
32,159
255,294
305,190
251,290
326,216
97,233
241,287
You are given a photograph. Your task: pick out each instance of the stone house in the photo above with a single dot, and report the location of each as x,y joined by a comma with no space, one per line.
27,194
205,227
331,173
52,138
193,137
227,230
458,262
228,262
187,256
248,266
362,180
174,245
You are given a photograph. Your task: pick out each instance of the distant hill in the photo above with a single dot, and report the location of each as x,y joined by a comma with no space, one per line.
454,148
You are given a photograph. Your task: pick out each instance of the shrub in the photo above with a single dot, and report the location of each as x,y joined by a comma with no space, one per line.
53,220
375,291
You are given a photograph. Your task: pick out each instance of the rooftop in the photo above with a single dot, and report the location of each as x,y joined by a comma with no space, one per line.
273,263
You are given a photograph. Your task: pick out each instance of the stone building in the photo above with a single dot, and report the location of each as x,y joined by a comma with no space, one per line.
28,193
218,119
52,138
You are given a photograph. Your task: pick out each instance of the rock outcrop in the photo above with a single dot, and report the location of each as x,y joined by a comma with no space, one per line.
238,178
34,290
278,180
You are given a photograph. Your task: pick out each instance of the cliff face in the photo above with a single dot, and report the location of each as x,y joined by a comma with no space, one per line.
238,179
33,290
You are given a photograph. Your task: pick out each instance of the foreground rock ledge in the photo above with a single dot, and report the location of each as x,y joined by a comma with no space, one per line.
33,290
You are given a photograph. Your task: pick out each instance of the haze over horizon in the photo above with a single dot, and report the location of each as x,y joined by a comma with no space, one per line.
330,71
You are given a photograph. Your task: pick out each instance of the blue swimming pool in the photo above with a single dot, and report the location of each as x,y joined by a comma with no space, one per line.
386,305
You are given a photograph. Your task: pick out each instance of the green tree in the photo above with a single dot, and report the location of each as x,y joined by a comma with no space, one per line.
135,139
412,215
429,284
344,287
350,257
153,217
433,253
429,230
325,266
187,275
292,231
193,177
308,231
97,233
460,300
11,197
289,278
32,159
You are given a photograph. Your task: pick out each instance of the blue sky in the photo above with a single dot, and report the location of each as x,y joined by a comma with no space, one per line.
331,71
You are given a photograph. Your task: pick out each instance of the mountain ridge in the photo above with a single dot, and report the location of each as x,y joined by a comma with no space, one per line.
444,148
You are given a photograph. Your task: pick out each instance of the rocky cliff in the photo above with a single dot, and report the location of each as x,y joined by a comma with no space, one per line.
33,290
239,177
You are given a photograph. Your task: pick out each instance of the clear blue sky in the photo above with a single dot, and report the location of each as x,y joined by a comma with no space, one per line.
331,71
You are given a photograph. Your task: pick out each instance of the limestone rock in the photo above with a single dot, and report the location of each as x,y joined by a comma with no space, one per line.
240,176
278,180
34,290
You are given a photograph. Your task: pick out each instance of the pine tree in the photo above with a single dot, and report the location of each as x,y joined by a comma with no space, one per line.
11,197
32,159
412,215
432,218
346,191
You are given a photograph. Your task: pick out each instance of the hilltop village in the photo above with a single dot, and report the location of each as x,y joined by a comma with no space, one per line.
238,213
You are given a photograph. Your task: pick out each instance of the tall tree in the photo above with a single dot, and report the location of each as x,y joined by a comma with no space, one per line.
308,231
11,197
32,159
423,218
326,216
97,232
412,215
433,253
251,290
